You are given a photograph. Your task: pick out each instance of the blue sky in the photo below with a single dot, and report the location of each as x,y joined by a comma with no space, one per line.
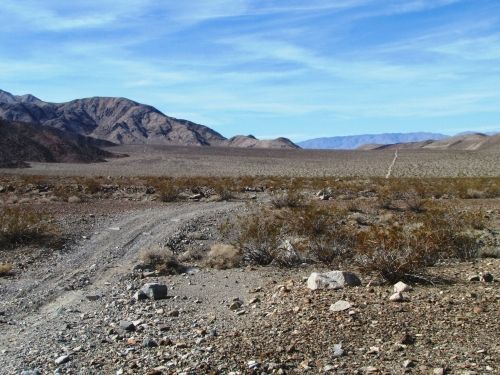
301,69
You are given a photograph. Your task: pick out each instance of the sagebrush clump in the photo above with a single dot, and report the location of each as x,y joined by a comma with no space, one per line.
162,260
224,256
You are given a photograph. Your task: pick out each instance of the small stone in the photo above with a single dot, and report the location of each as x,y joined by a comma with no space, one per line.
407,339
340,306
252,365
438,371
401,287
474,278
408,363
487,277
31,372
164,327
140,295
398,297
127,326
155,290
148,342
173,313
374,350
337,350
370,370
93,297
62,359
236,305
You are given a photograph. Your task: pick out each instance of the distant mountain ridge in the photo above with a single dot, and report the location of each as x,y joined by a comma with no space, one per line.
354,141
117,120
465,141
21,143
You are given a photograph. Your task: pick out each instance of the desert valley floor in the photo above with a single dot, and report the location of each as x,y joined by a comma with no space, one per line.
71,300
156,160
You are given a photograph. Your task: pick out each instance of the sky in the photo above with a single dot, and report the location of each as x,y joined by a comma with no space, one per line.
300,69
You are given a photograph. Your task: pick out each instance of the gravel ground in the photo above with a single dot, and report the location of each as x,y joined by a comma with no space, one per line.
212,161
66,311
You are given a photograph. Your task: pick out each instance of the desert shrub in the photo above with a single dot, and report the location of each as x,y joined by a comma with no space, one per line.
91,185
352,206
223,190
258,236
326,231
291,235
63,191
385,199
21,226
414,202
223,256
168,191
336,245
192,254
5,269
399,252
290,198
162,260
474,194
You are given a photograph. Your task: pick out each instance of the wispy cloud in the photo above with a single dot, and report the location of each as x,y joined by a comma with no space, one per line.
264,66
54,16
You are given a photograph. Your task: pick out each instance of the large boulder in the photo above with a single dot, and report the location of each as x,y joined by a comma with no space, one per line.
332,280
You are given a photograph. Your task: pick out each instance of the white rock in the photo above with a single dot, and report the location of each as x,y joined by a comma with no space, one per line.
401,287
62,359
398,297
332,280
340,306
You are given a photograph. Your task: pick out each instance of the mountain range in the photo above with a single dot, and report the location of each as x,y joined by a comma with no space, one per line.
465,141
121,121
21,142
354,141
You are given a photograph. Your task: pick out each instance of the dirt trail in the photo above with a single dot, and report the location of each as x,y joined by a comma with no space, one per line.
389,171
91,267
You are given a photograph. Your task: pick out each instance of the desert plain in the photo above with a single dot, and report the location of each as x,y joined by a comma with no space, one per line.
197,260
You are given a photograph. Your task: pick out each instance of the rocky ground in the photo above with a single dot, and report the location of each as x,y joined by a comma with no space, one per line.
76,310
153,160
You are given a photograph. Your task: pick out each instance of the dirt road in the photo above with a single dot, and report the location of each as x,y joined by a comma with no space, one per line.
35,303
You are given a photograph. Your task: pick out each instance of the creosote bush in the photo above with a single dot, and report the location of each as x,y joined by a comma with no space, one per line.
21,226
305,233
404,251
223,256
162,260
290,198
401,247
168,191
258,236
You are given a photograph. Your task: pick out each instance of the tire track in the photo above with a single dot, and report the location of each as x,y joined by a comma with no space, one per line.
391,166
